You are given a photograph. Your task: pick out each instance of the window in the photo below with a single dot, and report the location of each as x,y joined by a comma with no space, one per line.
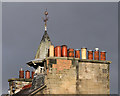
104,70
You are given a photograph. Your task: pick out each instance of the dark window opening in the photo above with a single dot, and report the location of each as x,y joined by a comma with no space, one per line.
104,70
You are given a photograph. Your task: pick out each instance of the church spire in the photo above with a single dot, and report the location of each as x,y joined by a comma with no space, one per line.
46,19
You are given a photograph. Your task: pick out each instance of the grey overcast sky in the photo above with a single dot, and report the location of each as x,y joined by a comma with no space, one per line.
74,24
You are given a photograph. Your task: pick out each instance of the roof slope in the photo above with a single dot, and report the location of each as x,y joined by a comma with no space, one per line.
42,51
38,84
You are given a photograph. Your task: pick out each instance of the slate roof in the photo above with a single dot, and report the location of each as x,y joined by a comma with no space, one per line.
42,51
37,85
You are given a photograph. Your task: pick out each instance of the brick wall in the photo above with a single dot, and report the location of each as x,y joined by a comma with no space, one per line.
60,64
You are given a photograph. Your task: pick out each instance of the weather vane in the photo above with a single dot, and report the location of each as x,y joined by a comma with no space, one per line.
46,19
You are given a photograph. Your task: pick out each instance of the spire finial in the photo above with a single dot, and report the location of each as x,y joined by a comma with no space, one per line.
46,19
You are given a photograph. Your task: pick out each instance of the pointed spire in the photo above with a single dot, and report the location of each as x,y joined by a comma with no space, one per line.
42,51
45,43
46,19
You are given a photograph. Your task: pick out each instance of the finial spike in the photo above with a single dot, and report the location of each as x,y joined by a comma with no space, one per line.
46,19
46,9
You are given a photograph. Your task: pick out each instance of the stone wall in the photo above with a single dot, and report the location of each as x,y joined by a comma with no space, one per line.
93,78
77,77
